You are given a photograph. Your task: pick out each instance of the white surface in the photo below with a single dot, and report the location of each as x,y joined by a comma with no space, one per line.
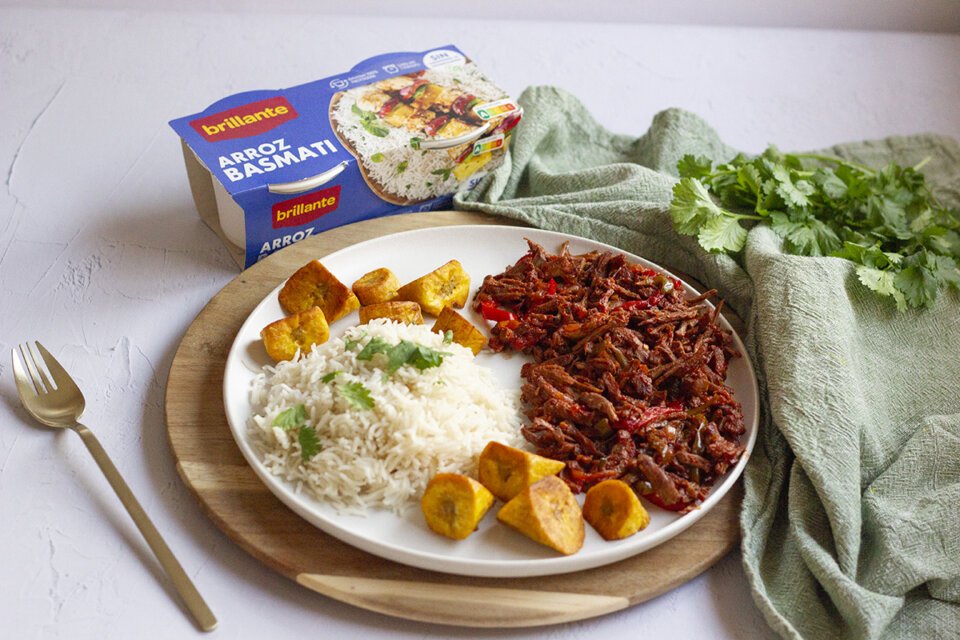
103,258
895,15
492,550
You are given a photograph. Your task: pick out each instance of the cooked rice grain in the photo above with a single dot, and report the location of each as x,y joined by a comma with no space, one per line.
422,422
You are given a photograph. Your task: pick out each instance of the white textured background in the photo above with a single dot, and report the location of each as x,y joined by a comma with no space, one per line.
103,258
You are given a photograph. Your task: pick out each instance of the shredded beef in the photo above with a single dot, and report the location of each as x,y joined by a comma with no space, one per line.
627,378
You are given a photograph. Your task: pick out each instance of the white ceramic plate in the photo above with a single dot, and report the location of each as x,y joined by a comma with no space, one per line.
494,549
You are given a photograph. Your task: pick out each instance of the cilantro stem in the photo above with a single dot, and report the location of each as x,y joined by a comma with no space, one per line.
921,164
849,163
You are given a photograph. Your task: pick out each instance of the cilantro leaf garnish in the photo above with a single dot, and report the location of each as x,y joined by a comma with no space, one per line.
309,443
295,418
448,336
349,343
906,245
405,352
425,358
376,345
398,355
356,394
330,376
291,418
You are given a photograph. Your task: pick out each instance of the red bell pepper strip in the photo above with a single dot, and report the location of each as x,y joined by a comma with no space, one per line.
490,311
652,301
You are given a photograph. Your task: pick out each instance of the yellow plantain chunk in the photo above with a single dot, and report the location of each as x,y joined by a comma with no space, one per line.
454,505
614,510
380,285
313,286
548,513
464,333
506,471
446,285
299,331
400,311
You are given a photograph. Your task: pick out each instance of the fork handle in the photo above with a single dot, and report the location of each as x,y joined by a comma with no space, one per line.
181,580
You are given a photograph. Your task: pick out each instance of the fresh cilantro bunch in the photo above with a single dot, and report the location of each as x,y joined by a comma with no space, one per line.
906,244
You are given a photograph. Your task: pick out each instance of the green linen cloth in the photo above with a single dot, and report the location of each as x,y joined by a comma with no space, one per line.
850,520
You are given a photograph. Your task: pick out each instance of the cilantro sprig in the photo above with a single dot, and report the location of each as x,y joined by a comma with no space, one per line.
295,418
905,244
309,443
356,394
404,352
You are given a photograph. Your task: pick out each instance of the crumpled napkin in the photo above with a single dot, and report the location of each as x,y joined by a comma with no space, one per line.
851,518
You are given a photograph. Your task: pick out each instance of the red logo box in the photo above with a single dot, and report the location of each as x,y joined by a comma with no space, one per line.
246,120
298,211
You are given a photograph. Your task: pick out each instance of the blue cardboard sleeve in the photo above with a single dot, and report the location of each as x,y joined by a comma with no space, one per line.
399,132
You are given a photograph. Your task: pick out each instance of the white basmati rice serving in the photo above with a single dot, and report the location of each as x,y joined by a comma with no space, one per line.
380,450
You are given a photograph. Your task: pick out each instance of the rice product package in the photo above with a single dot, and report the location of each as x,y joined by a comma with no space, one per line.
399,132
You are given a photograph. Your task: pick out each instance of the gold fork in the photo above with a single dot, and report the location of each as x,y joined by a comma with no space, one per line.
60,405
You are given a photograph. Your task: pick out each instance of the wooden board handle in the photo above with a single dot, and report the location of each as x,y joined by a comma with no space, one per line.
453,604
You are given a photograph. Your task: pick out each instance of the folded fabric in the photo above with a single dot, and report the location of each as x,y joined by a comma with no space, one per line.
850,518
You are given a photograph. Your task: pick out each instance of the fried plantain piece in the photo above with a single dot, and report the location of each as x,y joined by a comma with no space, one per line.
299,331
506,471
398,310
463,332
446,285
548,513
453,505
379,285
614,510
313,286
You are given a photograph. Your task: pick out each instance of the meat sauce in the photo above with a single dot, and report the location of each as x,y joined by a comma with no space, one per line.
627,378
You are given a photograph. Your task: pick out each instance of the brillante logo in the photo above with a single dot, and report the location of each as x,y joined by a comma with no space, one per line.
298,211
246,120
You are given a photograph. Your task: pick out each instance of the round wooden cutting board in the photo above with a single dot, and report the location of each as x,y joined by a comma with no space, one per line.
229,491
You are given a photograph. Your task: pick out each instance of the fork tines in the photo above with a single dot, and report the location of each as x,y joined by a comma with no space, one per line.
38,377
